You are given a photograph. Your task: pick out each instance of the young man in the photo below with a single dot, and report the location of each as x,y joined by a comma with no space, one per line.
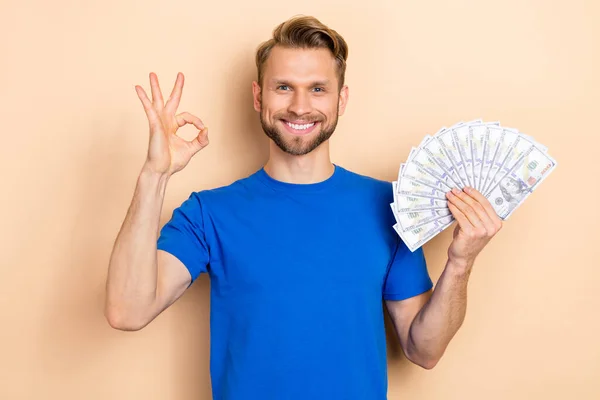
300,254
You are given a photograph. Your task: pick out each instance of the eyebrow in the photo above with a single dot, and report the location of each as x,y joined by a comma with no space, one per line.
315,83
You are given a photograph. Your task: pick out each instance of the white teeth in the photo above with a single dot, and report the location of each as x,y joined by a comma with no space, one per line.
300,127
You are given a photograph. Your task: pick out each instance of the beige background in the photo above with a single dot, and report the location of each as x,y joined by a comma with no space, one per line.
74,136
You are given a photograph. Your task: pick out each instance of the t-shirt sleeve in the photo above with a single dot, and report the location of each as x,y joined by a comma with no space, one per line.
407,275
184,237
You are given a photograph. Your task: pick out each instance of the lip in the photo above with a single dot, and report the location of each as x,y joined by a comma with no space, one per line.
299,132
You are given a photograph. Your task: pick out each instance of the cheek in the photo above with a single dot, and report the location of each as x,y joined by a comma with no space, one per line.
327,106
273,104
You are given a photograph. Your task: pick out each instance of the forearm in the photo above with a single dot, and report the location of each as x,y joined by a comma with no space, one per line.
132,273
441,317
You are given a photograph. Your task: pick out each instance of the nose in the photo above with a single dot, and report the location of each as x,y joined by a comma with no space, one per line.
300,104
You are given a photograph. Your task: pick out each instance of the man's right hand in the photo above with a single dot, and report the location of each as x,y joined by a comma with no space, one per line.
167,152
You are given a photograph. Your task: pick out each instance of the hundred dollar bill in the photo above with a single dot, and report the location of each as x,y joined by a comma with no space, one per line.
407,186
459,123
413,203
417,237
477,136
493,138
411,220
434,150
532,140
475,139
460,136
449,146
417,174
442,154
523,178
419,157
509,139
521,145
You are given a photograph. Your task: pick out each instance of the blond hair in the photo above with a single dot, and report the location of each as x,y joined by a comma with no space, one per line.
305,32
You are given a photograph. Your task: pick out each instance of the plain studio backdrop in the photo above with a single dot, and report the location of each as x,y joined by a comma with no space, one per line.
74,136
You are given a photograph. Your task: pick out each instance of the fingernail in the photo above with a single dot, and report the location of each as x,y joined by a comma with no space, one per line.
455,191
467,189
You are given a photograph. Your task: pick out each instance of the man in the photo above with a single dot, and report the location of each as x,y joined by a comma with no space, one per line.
300,254
512,191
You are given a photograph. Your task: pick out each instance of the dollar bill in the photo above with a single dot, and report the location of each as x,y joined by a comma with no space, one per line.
535,142
503,164
417,174
449,146
412,220
434,150
413,203
477,138
529,171
421,159
509,137
493,137
407,186
521,145
417,237
460,136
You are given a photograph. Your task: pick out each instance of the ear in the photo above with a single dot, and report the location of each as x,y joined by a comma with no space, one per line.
256,95
343,100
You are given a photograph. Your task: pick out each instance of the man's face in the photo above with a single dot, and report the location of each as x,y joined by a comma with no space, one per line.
300,101
511,186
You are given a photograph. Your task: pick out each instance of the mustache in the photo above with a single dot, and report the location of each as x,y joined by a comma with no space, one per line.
297,118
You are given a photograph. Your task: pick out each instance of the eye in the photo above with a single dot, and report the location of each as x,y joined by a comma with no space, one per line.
282,87
319,89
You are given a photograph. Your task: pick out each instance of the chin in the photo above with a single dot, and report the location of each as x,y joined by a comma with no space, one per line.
296,147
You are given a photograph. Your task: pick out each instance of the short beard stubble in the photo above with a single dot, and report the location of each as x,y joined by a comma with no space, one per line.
295,146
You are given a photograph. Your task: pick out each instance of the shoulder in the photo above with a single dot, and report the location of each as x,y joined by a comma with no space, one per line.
373,195
226,193
377,187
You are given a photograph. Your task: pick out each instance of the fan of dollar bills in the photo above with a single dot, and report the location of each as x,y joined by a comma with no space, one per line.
503,164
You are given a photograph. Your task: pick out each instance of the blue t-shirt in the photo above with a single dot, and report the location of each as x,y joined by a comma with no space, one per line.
298,274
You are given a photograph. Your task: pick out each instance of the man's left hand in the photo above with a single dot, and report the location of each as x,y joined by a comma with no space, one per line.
477,221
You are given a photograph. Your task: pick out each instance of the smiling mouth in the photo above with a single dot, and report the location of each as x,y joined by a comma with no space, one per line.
300,127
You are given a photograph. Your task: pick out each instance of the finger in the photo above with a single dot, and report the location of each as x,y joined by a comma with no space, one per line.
487,206
150,112
187,118
485,203
463,221
466,209
157,99
200,142
175,97
479,210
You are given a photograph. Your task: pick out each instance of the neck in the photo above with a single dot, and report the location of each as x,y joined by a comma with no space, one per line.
313,167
